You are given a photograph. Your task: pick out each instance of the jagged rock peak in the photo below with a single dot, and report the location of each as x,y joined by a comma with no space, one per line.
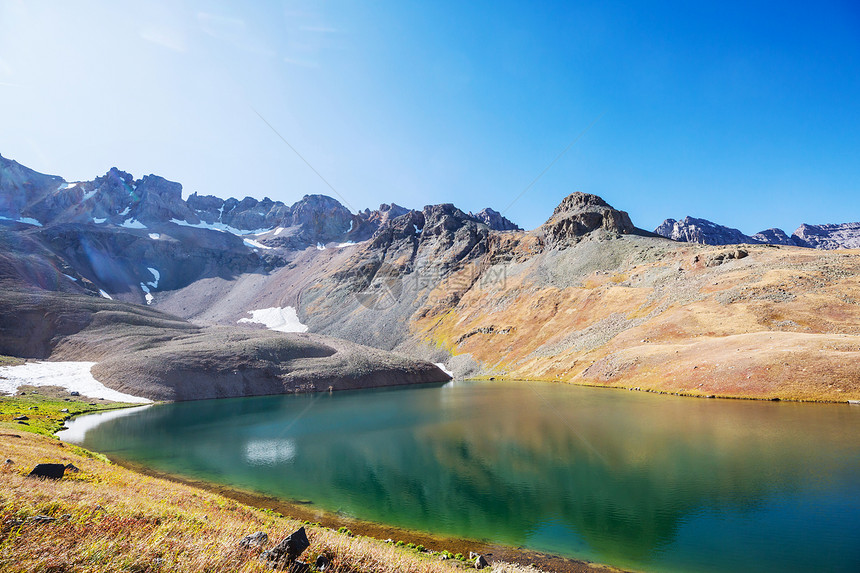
693,230
581,213
828,237
579,201
495,220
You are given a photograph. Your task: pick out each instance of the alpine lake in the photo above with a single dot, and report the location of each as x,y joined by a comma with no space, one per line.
640,481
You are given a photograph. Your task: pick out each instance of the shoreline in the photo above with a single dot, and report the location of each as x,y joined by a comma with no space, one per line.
306,512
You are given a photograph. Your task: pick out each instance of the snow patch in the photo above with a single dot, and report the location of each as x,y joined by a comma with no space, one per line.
105,295
346,244
125,212
88,195
320,247
146,294
280,319
350,226
27,220
99,221
154,236
255,244
73,376
219,227
71,278
68,185
77,428
441,366
278,231
156,274
133,224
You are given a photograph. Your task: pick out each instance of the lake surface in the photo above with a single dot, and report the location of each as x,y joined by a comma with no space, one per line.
647,482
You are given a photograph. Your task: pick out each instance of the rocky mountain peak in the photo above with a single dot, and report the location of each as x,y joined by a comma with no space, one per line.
579,201
694,230
581,213
828,237
494,220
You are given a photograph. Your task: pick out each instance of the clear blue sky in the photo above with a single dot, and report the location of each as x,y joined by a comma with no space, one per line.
745,113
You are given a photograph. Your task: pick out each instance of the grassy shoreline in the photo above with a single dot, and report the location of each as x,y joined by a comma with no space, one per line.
112,517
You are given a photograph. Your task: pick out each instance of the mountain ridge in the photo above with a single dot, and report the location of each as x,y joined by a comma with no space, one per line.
828,236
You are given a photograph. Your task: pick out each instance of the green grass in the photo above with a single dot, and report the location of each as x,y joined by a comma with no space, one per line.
44,412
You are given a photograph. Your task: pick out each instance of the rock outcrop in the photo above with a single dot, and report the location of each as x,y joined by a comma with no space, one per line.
702,231
829,237
579,214
495,221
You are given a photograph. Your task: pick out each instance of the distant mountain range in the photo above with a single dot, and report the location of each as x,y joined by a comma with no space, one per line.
116,198
829,237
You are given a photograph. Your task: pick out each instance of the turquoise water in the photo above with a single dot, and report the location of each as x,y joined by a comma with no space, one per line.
654,483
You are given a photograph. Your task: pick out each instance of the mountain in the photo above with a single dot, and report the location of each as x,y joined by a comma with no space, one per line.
828,237
692,230
587,297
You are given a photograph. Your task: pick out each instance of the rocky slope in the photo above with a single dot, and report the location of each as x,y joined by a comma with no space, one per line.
161,357
827,237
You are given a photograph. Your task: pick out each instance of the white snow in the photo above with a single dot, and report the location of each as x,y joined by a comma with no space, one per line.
149,298
133,224
77,428
99,221
441,366
255,244
154,236
156,274
280,319
105,295
320,247
73,376
218,227
417,230
350,226
279,230
88,195
125,212
27,220
346,244
68,185
270,452
71,278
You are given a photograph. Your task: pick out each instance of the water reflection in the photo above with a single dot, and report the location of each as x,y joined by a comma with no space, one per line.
635,480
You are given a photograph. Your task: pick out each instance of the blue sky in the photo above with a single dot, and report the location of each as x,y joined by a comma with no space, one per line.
745,113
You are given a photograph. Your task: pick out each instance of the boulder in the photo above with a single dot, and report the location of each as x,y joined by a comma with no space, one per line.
288,550
258,539
50,471
481,562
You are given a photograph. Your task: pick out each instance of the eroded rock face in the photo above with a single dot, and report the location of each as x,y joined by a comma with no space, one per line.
579,214
494,220
693,230
775,237
829,237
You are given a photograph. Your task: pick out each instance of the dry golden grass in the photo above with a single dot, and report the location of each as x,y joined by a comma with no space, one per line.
780,323
111,519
